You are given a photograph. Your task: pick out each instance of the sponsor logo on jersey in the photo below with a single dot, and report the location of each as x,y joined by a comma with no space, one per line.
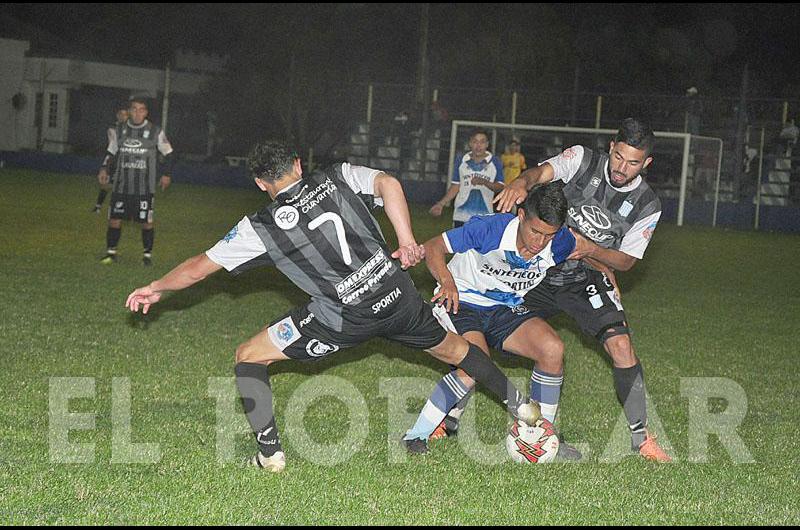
520,310
306,321
284,333
587,227
287,217
231,235
369,274
595,215
595,182
625,209
315,348
386,301
133,143
314,197
136,164
648,232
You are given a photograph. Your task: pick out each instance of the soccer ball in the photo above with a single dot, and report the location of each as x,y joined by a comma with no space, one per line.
532,444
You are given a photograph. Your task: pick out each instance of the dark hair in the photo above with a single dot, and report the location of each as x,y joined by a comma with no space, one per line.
138,99
547,202
636,133
475,132
270,160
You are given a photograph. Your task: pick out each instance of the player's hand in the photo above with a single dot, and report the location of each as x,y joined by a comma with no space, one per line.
447,297
511,196
583,247
165,182
409,255
436,209
102,176
142,297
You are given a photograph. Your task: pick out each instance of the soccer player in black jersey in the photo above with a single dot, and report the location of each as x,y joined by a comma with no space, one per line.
613,214
319,232
133,153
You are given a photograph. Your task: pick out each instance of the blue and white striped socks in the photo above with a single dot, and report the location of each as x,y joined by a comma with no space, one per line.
546,389
449,391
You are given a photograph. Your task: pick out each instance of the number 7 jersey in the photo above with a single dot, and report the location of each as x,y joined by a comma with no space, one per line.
321,235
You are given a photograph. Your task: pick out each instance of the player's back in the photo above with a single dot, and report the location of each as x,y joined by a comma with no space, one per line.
322,236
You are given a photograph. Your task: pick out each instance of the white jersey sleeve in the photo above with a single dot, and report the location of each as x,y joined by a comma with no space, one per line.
113,145
638,237
567,164
164,147
240,246
361,180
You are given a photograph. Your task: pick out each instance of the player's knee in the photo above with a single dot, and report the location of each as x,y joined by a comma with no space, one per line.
551,354
620,348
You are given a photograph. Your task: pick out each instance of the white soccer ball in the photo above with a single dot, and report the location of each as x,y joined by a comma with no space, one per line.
532,444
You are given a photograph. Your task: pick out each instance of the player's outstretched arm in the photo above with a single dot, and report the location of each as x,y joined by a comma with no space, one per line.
191,271
435,254
513,194
615,259
452,191
390,190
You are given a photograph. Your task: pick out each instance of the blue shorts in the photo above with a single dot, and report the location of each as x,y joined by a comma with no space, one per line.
496,323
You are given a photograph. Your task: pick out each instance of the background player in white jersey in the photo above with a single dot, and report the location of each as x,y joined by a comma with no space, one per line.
477,176
498,259
319,232
613,213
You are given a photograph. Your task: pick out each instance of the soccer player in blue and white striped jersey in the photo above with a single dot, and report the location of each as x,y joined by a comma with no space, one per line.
498,259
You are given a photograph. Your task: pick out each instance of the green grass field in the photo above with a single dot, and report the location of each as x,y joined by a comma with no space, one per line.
703,304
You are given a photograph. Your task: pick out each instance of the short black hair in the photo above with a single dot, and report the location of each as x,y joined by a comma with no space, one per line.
138,99
270,160
475,132
547,202
636,133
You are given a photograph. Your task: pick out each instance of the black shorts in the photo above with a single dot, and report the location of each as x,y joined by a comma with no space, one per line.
496,324
592,303
136,207
406,319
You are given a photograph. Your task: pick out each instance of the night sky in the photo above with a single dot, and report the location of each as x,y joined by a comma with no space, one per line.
620,47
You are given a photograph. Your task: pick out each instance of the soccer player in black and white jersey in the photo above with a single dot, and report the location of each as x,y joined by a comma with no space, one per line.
111,134
133,153
612,213
319,232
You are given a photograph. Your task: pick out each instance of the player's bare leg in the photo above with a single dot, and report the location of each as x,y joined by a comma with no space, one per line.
252,377
629,383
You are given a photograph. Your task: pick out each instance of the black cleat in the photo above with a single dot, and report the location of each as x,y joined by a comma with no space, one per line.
147,261
567,452
96,208
417,446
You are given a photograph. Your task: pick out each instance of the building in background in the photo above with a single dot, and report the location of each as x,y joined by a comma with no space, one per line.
64,105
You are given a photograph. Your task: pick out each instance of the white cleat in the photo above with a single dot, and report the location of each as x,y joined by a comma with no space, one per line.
275,463
529,412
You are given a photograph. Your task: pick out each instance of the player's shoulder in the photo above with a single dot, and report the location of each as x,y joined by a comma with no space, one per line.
648,198
491,226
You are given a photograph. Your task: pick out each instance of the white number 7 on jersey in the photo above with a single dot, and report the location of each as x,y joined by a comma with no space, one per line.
340,235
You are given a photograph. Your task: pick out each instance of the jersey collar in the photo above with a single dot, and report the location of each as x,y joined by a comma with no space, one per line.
143,124
509,240
467,157
625,189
